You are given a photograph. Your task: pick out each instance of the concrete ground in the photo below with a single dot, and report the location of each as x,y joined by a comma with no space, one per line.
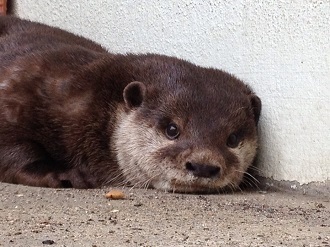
64,217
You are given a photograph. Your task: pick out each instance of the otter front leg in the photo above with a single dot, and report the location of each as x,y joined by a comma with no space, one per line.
29,164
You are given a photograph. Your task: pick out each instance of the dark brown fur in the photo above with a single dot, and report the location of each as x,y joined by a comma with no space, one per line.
61,95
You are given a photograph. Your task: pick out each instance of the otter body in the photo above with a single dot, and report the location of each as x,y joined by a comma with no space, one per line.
74,115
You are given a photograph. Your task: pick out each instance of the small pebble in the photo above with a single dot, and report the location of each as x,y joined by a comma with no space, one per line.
49,242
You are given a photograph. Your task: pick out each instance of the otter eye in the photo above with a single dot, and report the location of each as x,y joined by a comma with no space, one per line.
233,141
172,131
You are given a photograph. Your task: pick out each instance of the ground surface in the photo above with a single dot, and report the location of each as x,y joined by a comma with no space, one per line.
41,217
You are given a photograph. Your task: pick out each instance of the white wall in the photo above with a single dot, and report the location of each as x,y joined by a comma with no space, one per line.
281,48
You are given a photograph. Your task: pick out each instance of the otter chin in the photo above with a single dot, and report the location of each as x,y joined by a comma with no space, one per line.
74,115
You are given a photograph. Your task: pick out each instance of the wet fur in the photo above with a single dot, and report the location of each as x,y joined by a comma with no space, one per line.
74,115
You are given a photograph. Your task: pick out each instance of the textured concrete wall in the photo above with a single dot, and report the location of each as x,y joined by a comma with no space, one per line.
281,48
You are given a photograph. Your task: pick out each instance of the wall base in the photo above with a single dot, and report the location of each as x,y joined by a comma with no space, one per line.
313,189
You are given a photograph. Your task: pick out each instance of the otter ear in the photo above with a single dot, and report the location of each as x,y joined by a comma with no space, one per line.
256,107
134,94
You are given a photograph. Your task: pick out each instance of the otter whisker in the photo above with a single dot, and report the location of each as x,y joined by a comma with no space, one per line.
148,181
114,180
249,176
252,177
254,168
250,182
234,187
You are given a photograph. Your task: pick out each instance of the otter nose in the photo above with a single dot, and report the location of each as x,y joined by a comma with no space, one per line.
202,170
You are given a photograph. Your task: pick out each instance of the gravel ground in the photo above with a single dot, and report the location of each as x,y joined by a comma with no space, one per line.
32,216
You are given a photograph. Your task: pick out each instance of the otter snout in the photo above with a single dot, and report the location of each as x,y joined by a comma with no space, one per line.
203,170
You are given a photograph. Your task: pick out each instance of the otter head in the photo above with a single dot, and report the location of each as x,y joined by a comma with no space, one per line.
187,130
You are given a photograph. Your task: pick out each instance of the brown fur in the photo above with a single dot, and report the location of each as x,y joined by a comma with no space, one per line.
74,115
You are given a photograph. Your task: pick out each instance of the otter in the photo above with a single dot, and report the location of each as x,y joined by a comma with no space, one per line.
73,115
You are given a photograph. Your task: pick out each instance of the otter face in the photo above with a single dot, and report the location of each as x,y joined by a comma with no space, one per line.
187,137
